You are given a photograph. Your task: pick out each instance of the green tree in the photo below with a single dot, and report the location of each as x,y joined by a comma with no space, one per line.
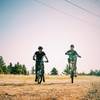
3,68
10,68
24,71
97,72
1,71
67,70
94,72
54,71
33,70
91,72
82,73
18,68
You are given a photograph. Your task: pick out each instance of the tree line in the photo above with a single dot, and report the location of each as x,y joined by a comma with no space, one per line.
12,69
92,72
21,69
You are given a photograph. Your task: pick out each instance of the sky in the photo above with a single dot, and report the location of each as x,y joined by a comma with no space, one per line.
53,24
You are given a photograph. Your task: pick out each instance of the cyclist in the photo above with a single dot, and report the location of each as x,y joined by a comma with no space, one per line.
72,57
38,57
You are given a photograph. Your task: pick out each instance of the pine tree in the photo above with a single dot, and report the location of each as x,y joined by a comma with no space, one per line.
67,70
54,71
1,71
33,70
3,68
18,68
10,68
24,71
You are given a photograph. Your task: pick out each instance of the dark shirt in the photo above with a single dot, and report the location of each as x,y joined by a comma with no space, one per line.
39,56
72,54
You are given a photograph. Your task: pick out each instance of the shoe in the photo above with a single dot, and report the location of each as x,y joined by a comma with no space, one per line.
43,80
75,75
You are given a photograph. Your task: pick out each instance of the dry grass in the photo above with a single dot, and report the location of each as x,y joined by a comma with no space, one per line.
20,87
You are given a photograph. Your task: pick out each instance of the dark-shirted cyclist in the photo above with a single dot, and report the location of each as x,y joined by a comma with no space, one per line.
38,57
72,56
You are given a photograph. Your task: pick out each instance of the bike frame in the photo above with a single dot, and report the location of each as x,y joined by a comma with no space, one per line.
72,70
40,72
71,65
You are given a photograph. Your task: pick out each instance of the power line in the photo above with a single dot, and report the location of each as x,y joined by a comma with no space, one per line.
60,11
64,13
75,5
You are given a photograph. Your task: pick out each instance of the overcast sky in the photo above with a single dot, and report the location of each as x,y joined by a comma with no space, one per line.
53,24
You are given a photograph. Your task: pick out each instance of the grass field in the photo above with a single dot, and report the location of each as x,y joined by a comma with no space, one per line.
20,87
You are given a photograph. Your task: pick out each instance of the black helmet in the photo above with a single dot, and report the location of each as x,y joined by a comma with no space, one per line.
72,45
40,47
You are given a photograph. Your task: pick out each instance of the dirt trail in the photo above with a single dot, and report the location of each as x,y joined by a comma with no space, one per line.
55,88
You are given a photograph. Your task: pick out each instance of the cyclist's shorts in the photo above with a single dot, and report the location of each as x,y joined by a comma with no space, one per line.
71,59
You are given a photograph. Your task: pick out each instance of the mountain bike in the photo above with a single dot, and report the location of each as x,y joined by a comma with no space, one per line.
40,72
72,69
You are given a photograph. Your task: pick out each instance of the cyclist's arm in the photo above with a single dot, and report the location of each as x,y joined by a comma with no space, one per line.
46,58
34,57
67,53
78,55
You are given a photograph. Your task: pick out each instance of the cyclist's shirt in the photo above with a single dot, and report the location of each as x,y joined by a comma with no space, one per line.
39,56
72,55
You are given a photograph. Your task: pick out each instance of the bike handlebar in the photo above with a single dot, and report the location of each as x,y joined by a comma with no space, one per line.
41,61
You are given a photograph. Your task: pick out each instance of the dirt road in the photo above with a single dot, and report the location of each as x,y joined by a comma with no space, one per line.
55,88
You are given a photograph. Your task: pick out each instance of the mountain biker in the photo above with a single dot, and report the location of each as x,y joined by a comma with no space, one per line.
38,57
72,56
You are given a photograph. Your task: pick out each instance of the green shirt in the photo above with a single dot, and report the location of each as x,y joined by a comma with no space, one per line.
72,54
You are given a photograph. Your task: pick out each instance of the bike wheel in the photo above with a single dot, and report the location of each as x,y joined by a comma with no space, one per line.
72,77
39,79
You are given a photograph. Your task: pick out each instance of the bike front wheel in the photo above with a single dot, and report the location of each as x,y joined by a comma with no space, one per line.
39,79
72,76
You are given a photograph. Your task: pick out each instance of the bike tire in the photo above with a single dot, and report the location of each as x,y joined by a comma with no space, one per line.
39,79
72,77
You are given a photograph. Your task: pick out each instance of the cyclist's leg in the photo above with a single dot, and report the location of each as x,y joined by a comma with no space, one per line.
75,65
43,74
36,69
69,63
69,66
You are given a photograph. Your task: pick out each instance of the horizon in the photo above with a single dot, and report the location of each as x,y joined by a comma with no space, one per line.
25,25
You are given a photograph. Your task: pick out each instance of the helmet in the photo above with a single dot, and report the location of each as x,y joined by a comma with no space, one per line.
72,45
40,47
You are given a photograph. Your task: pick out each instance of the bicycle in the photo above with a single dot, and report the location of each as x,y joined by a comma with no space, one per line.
72,69
40,72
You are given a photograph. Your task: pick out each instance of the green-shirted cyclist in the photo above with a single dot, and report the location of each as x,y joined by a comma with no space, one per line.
72,56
